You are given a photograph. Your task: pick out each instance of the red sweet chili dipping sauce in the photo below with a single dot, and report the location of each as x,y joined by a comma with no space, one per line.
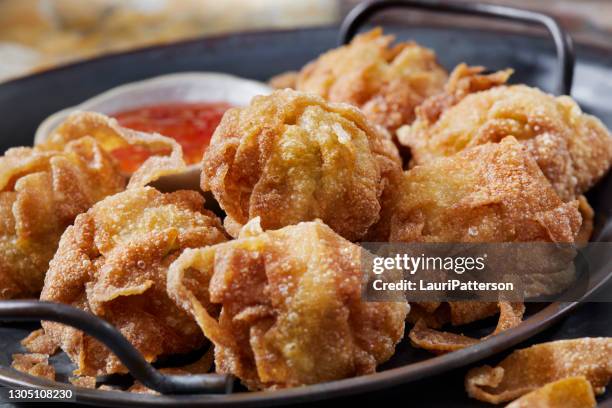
190,124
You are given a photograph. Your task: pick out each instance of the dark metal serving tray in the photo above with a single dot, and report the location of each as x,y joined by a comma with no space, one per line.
25,102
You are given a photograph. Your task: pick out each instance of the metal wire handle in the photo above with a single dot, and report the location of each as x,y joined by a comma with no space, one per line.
32,310
563,43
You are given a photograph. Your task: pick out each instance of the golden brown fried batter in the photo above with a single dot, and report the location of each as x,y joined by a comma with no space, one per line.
572,392
113,263
166,154
39,343
588,215
385,81
439,342
41,191
465,312
34,364
528,369
83,382
291,157
427,317
457,313
434,318
573,149
292,312
489,193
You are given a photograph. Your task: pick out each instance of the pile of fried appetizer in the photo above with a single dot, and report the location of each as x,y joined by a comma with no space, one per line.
303,175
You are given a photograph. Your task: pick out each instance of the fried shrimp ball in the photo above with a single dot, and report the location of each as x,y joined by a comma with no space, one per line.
573,149
291,157
385,81
489,193
292,312
41,192
113,263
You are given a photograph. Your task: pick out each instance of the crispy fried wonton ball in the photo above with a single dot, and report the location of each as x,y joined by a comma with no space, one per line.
291,157
573,149
292,312
41,192
113,263
489,193
385,81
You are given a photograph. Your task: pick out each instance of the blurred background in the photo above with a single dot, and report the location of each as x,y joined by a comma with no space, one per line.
39,34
